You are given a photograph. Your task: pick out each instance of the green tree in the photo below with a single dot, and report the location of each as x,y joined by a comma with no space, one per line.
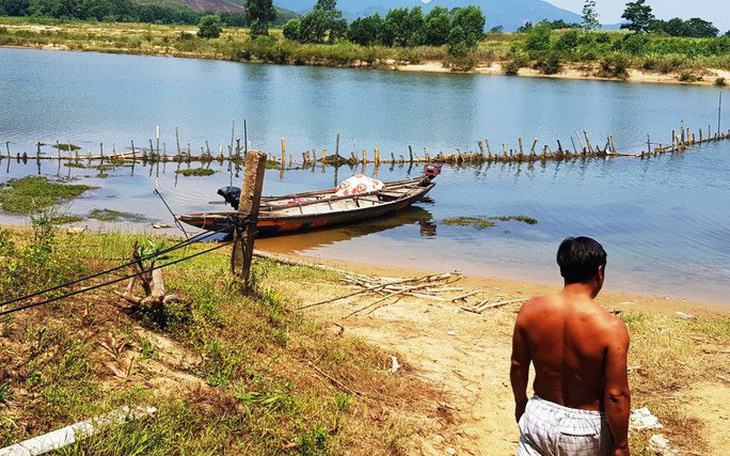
323,18
436,27
366,31
525,28
699,28
639,15
568,41
590,15
692,28
401,27
314,26
210,26
260,13
497,29
292,29
538,39
471,20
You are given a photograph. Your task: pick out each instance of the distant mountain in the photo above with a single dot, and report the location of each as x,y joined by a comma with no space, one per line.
508,13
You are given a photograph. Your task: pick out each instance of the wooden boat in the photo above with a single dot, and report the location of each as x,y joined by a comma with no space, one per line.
313,210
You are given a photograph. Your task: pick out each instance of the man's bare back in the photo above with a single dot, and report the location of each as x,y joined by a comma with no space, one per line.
568,337
579,353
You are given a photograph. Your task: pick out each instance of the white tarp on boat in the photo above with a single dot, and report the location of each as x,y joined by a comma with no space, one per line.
358,184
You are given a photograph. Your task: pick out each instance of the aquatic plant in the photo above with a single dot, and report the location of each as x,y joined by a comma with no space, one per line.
65,219
477,222
516,218
196,172
31,194
110,215
66,147
481,223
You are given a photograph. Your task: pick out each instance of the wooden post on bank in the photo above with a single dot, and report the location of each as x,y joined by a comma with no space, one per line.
248,210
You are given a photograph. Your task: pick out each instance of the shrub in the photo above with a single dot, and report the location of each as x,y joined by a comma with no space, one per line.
548,64
603,38
568,41
615,66
292,29
671,63
539,38
635,44
462,63
512,68
688,76
720,82
210,26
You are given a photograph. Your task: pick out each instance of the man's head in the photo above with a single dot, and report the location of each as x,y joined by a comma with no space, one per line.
582,260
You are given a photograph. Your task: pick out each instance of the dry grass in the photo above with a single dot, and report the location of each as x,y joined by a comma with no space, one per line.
668,356
226,371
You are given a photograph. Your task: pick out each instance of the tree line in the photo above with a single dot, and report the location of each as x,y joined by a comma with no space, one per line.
460,29
124,11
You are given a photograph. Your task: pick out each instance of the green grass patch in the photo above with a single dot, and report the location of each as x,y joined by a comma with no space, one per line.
110,215
31,194
74,165
196,172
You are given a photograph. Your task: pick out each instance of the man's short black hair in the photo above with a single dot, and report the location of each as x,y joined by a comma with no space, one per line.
579,259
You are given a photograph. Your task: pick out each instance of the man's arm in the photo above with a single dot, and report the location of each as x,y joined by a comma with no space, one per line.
617,395
520,370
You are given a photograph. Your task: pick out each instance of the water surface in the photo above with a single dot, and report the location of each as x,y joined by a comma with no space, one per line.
665,222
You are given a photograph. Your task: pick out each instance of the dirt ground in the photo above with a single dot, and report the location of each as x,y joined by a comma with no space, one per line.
467,356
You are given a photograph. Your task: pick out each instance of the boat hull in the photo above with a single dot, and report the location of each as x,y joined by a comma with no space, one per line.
273,224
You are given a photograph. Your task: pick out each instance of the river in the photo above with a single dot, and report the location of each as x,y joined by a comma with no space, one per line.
665,221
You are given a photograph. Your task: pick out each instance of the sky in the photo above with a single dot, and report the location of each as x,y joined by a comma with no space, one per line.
716,11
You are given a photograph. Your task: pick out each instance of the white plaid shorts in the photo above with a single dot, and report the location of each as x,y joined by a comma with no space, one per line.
549,429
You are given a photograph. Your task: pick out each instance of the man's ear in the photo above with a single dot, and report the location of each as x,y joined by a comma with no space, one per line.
601,272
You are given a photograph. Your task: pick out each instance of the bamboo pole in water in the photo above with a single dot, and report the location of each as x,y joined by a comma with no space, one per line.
283,149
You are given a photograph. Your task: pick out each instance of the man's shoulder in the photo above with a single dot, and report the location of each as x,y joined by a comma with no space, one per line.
608,326
537,305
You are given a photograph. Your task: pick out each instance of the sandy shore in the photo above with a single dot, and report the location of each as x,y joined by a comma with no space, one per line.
466,356
571,71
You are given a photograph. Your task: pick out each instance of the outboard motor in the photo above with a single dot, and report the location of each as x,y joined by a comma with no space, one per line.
431,171
232,195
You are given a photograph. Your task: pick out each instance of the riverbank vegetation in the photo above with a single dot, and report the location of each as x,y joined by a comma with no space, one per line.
227,372
542,50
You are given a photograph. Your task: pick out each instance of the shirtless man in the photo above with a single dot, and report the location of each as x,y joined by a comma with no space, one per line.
582,401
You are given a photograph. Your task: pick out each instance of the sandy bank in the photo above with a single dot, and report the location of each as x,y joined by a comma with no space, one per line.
676,369
576,72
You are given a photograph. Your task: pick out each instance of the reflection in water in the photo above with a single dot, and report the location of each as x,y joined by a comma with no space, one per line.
331,236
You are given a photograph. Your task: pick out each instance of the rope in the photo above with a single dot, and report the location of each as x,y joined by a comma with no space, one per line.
180,245
111,282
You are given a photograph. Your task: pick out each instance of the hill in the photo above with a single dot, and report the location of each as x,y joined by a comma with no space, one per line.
508,13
